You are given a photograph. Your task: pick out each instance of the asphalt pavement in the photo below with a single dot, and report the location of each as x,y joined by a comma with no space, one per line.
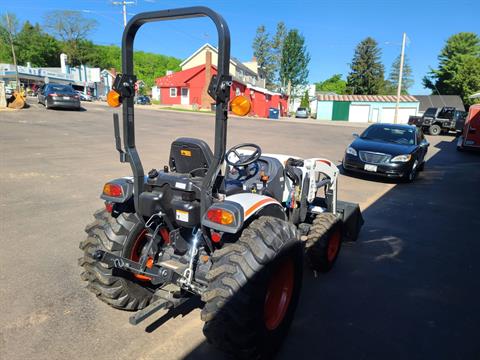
408,288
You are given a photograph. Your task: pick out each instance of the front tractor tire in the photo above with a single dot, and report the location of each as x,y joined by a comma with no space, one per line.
120,236
253,290
324,241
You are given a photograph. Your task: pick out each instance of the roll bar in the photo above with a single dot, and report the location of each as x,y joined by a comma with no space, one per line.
219,89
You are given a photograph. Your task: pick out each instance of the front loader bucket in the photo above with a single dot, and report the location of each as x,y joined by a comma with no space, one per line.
18,101
352,219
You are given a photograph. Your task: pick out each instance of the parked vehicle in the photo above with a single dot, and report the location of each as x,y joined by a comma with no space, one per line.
438,120
470,138
143,100
395,151
58,96
83,96
230,227
301,113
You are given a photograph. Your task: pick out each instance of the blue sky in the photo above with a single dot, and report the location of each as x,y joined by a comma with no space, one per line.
331,28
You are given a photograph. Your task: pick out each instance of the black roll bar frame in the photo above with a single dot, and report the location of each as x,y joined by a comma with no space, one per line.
221,92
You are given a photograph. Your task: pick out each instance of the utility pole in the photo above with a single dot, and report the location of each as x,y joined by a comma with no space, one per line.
124,8
400,76
10,31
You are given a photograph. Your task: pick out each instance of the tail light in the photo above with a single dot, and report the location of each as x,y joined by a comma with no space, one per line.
53,95
220,216
112,190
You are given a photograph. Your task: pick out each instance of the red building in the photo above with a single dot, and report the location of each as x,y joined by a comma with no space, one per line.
189,87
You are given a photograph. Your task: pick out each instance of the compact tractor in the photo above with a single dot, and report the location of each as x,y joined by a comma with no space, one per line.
230,227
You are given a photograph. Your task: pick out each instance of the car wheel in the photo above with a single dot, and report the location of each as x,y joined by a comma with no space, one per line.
422,166
435,130
413,173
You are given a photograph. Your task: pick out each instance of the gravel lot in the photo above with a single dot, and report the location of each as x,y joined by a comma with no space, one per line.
407,289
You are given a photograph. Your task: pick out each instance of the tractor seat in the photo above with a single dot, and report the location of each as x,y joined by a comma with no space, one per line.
188,155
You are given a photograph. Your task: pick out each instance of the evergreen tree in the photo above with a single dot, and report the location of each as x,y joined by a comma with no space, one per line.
277,46
295,60
458,70
262,50
305,102
407,80
367,72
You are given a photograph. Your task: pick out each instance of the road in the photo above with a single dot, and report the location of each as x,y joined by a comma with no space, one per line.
407,289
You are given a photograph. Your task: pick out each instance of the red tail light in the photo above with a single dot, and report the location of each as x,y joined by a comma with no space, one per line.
220,216
53,95
108,206
112,190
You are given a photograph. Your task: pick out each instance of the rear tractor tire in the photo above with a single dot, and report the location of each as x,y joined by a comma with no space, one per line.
324,241
254,286
122,236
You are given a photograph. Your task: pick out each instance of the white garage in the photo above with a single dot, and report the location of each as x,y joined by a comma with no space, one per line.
387,114
359,113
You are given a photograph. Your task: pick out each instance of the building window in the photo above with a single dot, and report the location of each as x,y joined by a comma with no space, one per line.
173,92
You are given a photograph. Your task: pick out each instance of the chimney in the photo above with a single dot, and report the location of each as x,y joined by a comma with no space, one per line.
206,99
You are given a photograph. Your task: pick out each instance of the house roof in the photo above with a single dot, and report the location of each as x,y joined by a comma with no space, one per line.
475,96
369,98
233,60
439,101
179,78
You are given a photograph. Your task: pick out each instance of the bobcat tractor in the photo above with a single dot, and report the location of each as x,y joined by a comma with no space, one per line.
233,228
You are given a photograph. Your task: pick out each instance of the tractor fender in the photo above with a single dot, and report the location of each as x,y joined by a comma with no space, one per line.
245,206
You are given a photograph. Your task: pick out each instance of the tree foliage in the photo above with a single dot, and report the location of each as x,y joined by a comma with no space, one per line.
458,70
333,84
407,79
262,50
277,47
295,60
367,72
72,28
36,47
305,102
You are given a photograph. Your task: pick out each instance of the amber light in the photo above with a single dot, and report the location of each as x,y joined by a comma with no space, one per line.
240,105
114,99
220,216
112,190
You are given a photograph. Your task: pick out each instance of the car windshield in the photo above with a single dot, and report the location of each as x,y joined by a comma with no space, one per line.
61,88
301,109
395,135
430,112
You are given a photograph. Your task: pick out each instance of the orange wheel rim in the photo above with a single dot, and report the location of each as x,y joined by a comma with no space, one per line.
279,294
334,245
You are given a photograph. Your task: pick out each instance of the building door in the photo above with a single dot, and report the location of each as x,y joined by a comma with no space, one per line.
185,99
388,115
359,113
374,115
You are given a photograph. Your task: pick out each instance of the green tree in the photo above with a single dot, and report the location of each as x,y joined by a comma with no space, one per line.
36,47
277,47
458,70
407,79
305,102
295,60
72,28
367,72
262,50
333,84
8,33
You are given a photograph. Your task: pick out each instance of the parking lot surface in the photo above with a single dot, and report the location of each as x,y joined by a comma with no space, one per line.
408,288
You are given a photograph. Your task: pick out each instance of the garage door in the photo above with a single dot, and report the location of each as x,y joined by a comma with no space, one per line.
387,115
359,113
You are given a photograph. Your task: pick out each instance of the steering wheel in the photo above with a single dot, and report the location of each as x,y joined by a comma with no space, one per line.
249,158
